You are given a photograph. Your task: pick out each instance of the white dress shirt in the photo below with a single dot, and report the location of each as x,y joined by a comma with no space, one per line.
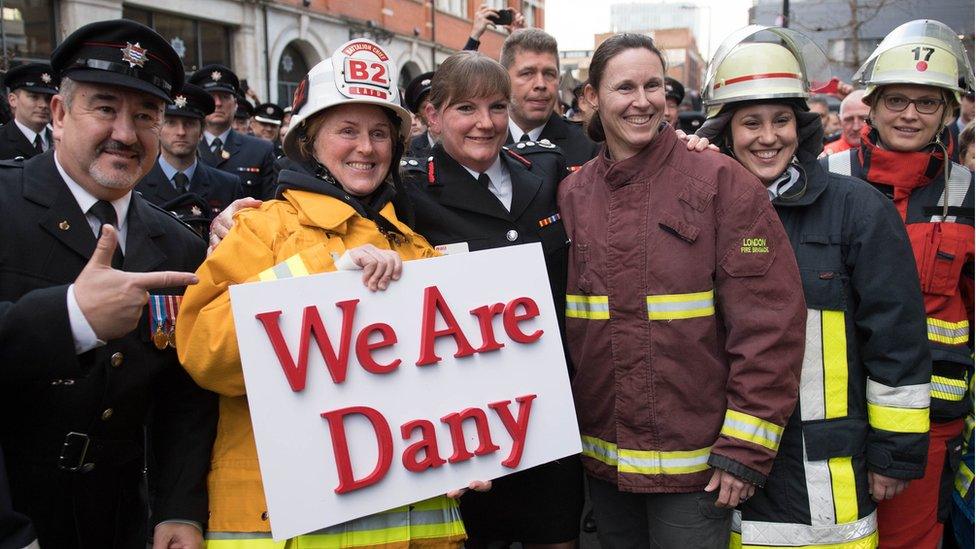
31,135
517,132
501,182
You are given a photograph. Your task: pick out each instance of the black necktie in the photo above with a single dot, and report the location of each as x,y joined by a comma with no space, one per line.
105,213
182,182
216,146
525,137
485,181
38,144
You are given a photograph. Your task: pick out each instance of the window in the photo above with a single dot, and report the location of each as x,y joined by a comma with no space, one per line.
28,30
454,7
198,43
292,68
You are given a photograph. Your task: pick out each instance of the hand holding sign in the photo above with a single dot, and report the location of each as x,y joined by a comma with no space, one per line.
112,300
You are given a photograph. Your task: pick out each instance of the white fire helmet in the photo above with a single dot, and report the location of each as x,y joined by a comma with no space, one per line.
923,52
359,71
759,62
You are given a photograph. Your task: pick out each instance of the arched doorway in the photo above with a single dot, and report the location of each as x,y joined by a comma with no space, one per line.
292,67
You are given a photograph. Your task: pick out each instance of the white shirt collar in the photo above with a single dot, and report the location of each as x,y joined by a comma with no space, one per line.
496,172
29,133
517,132
783,183
86,200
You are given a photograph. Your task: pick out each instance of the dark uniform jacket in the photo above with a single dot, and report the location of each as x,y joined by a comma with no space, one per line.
120,396
247,157
14,144
215,187
419,146
574,144
863,299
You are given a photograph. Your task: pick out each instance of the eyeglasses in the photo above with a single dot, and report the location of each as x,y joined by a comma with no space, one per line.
925,105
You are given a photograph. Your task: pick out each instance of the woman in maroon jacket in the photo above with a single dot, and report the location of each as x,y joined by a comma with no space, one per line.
684,318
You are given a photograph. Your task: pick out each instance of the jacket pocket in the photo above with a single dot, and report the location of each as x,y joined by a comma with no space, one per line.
830,438
824,289
678,228
942,264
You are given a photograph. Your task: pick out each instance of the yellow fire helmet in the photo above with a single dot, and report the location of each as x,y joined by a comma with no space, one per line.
359,71
759,62
924,52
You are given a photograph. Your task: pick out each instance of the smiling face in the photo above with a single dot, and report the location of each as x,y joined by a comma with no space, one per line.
764,139
473,130
355,143
108,138
630,101
908,130
535,77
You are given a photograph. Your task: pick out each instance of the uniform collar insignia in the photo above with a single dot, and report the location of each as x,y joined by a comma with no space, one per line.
134,54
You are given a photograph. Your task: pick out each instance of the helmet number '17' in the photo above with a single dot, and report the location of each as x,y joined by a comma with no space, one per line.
918,53
361,72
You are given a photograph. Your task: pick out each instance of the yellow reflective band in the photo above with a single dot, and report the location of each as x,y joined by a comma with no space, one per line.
752,429
869,542
835,363
845,493
291,267
946,388
592,307
898,420
646,462
266,275
964,479
296,265
735,540
681,306
949,333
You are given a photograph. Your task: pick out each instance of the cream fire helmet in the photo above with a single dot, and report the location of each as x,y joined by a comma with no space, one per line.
360,71
923,52
759,62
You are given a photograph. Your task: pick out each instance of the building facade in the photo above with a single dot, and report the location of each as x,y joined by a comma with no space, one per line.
849,30
270,44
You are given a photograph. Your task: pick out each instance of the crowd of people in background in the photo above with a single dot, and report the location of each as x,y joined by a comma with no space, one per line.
766,303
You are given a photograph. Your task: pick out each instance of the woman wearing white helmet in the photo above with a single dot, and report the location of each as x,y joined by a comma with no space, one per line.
860,428
348,132
913,81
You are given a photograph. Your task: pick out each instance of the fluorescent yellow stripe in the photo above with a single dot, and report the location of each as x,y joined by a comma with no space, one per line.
266,275
646,462
296,265
898,420
735,541
964,479
845,494
267,543
675,298
949,333
752,429
591,307
835,363
868,542
947,388
679,315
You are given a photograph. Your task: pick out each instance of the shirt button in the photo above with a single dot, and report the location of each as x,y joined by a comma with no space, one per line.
116,359
512,235
107,414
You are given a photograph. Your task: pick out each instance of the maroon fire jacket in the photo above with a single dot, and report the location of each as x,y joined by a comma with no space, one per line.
685,318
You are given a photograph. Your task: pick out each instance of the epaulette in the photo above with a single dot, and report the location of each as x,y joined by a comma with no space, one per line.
411,164
170,215
533,147
12,162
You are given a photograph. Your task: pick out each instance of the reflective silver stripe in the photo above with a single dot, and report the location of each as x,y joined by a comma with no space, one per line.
736,520
840,163
906,396
609,455
946,388
588,306
812,405
798,535
957,186
955,332
663,462
820,493
217,536
281,270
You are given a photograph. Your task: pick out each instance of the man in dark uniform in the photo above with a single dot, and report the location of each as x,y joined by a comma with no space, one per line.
92,395
532,59
242,116
177,172
247,157
415,99
266,123
30,87
674,94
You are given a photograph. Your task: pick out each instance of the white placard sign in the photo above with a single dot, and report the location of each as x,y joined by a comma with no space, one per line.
454,373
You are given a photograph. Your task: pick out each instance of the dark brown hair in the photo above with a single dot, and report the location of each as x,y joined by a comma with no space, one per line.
533,40
468,75
609,49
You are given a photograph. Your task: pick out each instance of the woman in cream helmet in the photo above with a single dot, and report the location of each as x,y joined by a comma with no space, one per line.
912,82
348,132
866,364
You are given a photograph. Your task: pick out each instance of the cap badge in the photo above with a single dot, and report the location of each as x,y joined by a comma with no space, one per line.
270,110
216,75
134,55
46,78
180,101
195,210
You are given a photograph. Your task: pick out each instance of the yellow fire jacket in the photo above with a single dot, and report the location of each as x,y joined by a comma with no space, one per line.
298,235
